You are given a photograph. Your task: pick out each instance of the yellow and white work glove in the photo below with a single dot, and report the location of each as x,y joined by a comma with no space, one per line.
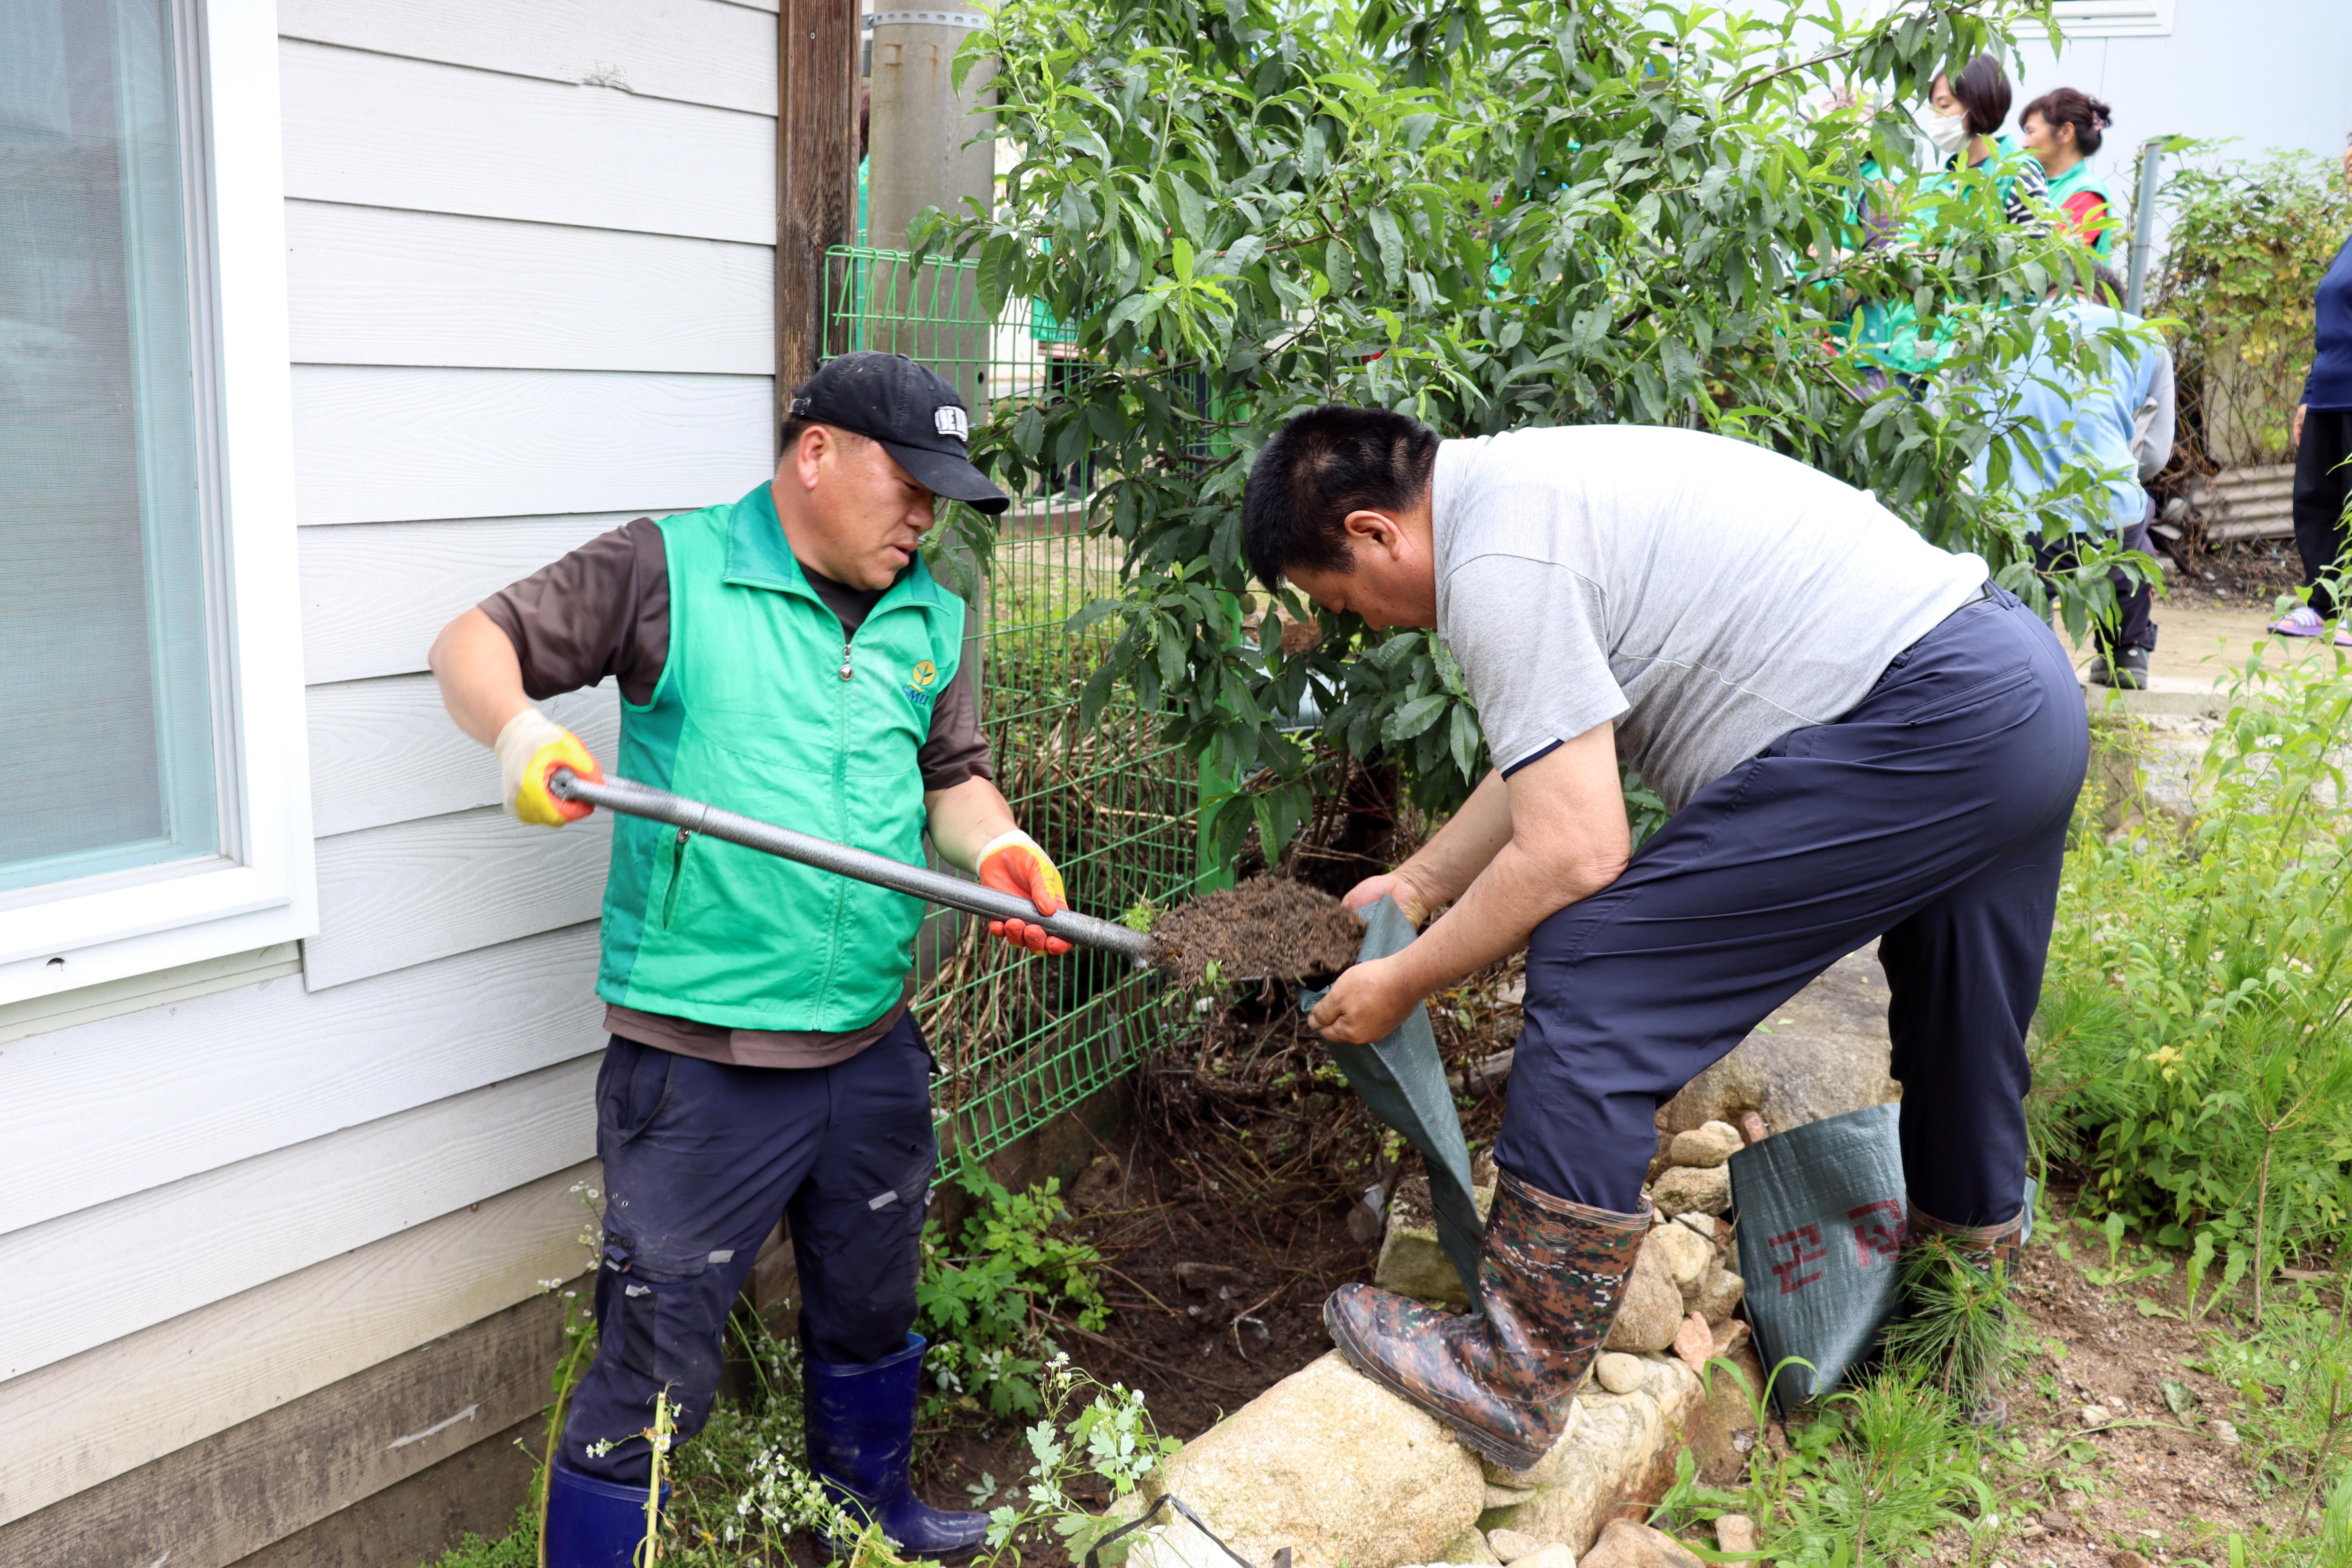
1011,863
530,747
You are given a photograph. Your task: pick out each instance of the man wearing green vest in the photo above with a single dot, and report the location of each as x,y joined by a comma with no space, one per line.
788,657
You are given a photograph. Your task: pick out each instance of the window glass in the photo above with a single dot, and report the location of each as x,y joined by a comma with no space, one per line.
107,727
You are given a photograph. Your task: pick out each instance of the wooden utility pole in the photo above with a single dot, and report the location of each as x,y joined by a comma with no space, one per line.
816,171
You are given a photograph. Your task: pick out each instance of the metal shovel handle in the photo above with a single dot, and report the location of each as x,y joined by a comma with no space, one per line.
633,799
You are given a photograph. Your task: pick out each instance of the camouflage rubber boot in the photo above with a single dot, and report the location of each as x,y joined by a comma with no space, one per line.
1986,1257
1553,1273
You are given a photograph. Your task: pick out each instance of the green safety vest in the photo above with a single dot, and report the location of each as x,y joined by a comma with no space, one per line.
754,713
2075,181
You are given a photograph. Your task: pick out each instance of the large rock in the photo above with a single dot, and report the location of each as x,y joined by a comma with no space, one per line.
1327,1463
1686,1255
1718,1294
1625,1545
1709,1145
1688,1189
1652,1308
1620,1445
1412,1262
1821,1053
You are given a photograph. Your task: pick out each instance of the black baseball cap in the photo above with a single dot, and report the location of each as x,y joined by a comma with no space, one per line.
912,411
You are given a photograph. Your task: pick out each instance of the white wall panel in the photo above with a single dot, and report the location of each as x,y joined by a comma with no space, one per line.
215,1079
385,132
383,445
111,1270
374,595
381,286
105,1411
697,52
416,891
386,751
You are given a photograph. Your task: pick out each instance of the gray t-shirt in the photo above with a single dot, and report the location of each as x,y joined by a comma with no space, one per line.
1708,595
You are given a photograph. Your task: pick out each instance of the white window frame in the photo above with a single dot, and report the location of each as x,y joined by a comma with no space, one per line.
264,889
2114,18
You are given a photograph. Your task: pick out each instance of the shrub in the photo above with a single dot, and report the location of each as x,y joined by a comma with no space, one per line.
2196,1036
1521,212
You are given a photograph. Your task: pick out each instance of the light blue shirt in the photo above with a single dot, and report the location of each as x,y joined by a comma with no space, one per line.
2116,419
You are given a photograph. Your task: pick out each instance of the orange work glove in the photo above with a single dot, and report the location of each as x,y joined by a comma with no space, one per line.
1011,863
530,747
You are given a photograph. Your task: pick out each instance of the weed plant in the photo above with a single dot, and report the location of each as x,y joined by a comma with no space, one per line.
2195,1039
1883,1472
1960,1330
738,1490
988,1302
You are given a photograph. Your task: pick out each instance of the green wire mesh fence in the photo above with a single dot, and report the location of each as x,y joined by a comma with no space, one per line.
1022,1039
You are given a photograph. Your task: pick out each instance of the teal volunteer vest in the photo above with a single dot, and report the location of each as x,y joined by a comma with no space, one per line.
763,708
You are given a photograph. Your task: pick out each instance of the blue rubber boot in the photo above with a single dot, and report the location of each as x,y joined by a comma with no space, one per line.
592,1523
861,1430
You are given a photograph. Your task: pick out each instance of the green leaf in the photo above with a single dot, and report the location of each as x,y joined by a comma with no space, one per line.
1411,717
1389,239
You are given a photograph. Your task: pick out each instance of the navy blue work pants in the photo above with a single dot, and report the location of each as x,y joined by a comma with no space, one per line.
700,1160
1934,816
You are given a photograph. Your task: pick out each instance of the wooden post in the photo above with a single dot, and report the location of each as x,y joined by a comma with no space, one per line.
816,171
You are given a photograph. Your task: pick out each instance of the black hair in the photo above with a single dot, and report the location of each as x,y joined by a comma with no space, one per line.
1319,466
2107,285
1982,88
2072,106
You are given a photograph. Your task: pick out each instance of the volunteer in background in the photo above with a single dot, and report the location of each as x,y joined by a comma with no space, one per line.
1858,736
2323,447
789,657
2120,420
2063,128
1962,120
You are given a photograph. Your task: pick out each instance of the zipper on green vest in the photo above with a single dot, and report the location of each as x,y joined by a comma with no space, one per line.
677,874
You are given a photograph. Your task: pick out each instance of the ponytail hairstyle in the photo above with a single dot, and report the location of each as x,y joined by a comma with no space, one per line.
2072,106
1982,88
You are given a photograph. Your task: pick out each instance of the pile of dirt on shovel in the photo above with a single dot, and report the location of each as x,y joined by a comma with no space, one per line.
1269,928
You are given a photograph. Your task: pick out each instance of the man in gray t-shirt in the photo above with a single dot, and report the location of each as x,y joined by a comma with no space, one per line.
1595,574
1858,736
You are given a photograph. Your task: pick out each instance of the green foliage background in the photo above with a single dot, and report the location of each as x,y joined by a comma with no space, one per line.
1523,211
2249,242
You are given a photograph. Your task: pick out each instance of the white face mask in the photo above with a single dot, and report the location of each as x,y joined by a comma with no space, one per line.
1950,133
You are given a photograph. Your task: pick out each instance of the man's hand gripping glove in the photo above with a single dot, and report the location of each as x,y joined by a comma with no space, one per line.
530,747
1011,863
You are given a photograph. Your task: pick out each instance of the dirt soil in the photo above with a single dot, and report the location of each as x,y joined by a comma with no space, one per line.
2089,1490
2245,575
2133,1476
1267,927
1223,1215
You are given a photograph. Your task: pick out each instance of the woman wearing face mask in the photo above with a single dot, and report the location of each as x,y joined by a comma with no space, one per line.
2062,129
1962,118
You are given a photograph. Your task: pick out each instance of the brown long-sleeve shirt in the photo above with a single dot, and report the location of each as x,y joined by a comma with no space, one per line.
603,610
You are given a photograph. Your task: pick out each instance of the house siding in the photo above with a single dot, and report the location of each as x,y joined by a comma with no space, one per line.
531,267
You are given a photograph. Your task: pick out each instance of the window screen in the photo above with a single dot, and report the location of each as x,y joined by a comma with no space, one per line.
107,730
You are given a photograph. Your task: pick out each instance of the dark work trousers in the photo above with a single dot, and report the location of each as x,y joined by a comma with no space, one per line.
1933,815
2135,624
700,1160
2319,490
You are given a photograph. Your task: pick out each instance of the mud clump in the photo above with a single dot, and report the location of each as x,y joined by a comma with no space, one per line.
1267,929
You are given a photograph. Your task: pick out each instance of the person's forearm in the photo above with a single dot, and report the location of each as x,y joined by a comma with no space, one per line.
1496,915
481,679
965,817
1453,858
